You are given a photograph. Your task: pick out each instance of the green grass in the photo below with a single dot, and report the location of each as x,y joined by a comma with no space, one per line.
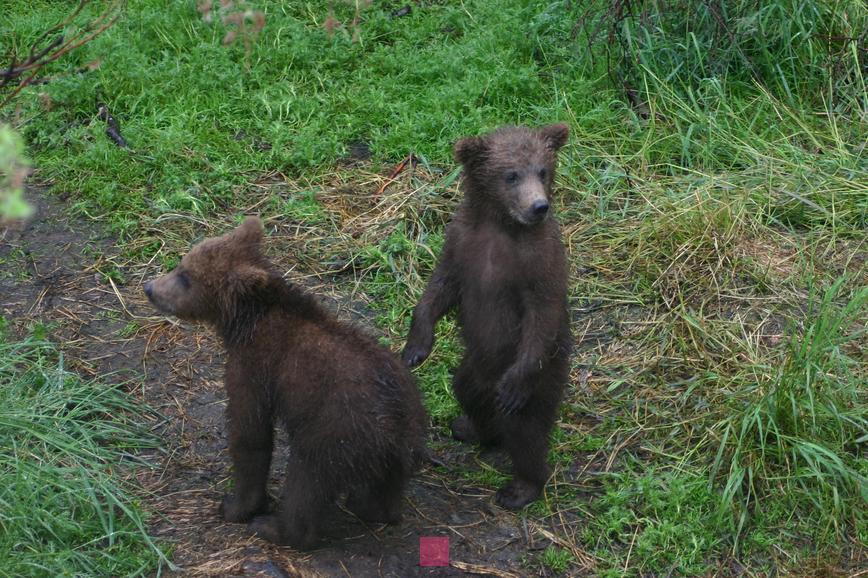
666,519
67,501
307,95
716,230
556,559
796,425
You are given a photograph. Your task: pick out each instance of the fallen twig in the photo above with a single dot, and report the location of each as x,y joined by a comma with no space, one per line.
482,570
409,160
584,559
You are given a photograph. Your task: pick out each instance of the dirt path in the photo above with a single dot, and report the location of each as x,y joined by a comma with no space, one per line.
65,272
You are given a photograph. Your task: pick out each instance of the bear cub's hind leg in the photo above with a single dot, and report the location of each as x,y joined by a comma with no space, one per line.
302,502
250,445
380,501
478,424
526,441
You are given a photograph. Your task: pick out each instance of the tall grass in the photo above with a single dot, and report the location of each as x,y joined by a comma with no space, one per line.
67,450
798,428
811,53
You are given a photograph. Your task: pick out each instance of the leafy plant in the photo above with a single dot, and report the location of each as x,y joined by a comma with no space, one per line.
13,170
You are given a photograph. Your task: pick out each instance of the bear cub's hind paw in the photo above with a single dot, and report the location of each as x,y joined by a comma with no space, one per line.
517,494
463,430
266,527
379,512
269,528
233,509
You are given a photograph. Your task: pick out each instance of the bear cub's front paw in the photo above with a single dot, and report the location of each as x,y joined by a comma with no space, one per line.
512,395
415,353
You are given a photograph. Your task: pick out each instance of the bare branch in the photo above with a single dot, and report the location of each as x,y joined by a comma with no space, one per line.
21,73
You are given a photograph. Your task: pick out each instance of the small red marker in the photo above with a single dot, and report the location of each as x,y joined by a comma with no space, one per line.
434,551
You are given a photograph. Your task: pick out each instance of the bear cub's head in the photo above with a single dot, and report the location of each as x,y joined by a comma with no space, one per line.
513,168
213,276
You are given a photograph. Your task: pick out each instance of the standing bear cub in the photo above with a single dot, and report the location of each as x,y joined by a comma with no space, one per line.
353,412
503,266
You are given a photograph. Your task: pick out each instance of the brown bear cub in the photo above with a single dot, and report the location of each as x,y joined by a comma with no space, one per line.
352,410
504,267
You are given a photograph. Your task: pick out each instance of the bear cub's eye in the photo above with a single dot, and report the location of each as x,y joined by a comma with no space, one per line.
512,177
543,174
184,280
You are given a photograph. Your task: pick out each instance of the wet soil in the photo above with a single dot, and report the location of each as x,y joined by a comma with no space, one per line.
68,273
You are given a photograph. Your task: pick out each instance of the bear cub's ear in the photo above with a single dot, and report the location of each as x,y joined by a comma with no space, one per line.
248,276
555,135
250,231
470,149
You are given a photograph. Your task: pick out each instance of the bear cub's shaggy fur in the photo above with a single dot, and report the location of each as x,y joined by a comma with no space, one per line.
504,267
353,412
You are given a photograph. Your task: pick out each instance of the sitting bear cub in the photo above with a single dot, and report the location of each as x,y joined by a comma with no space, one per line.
504,268
353,412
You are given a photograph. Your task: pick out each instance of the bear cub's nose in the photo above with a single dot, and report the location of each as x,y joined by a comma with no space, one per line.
539,208
149,289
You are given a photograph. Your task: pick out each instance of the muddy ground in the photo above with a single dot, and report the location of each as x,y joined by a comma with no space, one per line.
67,272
